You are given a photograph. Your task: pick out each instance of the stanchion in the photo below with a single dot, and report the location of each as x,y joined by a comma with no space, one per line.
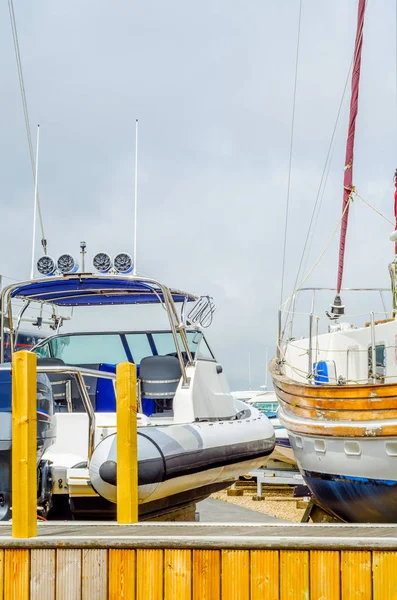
127,444
24,445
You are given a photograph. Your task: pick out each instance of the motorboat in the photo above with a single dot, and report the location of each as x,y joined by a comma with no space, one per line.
194,438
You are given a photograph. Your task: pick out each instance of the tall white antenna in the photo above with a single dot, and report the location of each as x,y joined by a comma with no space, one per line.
249,371
266,370
136,193
35,199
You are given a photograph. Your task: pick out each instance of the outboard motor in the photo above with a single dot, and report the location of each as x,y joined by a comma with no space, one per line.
46,432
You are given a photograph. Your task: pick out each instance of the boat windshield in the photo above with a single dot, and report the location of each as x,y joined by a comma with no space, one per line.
113,348
266,407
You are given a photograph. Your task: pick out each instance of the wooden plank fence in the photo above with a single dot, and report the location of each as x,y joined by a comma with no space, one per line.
195,574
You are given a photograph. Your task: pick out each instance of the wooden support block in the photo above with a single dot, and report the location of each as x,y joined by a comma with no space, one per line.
325,574
307,514
206,574
24,445
94,575
264,575
384,575
257,498
177,574
281,499
302,504
318,515
235,575
235,492
42,575
122,564
356,568
127,444
149,574
294,575
16,574
68,575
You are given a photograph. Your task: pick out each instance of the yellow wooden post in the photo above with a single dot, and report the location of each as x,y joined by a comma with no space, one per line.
24,445
127,444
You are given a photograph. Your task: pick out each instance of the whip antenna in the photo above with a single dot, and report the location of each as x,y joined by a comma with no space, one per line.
136,193
35,199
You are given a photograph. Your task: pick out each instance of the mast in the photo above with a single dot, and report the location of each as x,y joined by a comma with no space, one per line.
36,173
348,177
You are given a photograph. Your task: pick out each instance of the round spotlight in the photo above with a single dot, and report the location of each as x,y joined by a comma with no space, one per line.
46,265
67,264
102,262
123,263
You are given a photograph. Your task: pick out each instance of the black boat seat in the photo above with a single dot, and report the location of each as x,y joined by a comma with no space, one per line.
159,376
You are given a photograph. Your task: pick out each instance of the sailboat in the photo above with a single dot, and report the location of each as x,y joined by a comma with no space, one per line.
337,387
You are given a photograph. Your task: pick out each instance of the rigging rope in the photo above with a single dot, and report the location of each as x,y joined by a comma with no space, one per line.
323,252
25,111
323,180
322,185
375,209
290,151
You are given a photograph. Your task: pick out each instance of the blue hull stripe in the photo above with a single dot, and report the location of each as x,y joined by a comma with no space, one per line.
283,443
355,499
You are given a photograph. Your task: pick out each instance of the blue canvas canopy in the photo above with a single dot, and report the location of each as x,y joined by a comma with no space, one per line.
94,290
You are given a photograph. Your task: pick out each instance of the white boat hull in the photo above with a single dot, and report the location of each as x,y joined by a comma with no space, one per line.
176,458
366,491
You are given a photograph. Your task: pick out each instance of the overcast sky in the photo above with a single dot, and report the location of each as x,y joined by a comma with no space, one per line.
212,86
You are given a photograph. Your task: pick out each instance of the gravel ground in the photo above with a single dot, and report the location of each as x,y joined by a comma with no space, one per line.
282,510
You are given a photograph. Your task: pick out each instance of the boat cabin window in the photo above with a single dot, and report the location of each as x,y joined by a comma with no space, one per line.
113,348
89,349
164,343
380,369
154,353
203,351
139,346
266,407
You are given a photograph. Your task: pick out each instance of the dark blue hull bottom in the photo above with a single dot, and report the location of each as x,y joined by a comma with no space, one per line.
355,499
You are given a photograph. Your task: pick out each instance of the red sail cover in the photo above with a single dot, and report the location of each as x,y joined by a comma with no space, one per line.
348,179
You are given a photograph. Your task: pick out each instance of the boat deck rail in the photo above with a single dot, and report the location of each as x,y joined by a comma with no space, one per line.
79,373
311,321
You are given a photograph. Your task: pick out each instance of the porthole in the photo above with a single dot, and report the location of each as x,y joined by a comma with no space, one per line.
298,441
352,448
320,445
391,448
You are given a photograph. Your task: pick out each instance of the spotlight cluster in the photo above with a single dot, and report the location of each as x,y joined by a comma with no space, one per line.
102,263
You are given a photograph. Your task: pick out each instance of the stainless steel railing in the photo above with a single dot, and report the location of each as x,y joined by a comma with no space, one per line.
79,373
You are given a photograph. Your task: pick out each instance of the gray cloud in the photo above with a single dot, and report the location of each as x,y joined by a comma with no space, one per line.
212,86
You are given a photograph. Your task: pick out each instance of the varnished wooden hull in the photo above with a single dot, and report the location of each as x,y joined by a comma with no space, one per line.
345,442
336,410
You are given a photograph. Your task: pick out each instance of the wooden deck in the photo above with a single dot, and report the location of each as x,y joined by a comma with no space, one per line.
205,535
